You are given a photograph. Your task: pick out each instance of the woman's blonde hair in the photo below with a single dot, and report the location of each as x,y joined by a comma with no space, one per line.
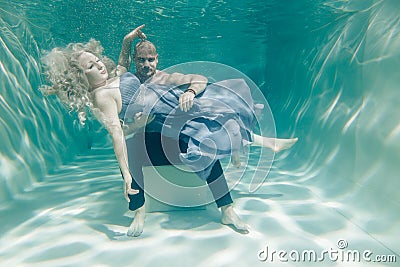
67,78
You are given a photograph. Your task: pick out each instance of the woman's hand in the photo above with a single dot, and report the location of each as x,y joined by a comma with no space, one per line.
127,187
140,121
186,101
135,34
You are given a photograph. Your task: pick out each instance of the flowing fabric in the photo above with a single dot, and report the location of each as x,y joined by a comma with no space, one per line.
219,123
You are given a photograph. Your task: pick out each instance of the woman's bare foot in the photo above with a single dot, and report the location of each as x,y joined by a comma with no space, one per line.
229,217
275,144
282,144
136,227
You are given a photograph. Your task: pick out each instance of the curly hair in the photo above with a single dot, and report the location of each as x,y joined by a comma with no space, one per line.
67,78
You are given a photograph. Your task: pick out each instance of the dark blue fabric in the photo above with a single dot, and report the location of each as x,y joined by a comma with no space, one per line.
219,123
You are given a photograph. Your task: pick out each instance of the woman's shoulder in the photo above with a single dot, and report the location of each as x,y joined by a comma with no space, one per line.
110,88
114,82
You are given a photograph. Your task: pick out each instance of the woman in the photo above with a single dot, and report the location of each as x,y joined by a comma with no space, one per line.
83,78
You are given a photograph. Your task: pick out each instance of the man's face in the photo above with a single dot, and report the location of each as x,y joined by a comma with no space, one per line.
146,63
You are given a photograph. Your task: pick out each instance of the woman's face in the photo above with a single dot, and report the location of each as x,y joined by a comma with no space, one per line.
94,69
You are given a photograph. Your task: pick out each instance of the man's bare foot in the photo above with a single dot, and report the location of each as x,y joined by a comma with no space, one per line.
282,144
235,159
136,227
229,217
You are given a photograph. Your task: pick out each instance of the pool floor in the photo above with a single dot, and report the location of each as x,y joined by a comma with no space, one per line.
77,216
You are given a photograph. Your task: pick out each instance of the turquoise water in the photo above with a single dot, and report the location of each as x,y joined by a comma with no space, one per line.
329,72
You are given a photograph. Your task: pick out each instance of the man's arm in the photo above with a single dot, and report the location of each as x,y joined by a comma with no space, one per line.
197,84
124,57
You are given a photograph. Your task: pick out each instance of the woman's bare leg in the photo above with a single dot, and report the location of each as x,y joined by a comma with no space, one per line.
275,144
235,159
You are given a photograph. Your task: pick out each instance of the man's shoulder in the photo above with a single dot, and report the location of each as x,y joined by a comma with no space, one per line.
161,73
160,77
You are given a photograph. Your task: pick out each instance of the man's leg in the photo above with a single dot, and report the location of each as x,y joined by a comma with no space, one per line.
219,188
146,149
216,181
137,159
157,150
161,150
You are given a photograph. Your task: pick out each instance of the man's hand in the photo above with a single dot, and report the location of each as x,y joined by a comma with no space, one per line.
135,34
127,187
124,57
186,101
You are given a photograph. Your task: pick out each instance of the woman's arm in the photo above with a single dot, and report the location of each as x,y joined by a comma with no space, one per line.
108,115
125,60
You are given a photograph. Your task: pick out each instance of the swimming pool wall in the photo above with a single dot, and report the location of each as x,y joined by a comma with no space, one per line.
37,133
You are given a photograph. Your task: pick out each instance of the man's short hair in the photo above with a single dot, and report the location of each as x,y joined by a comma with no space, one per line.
148,46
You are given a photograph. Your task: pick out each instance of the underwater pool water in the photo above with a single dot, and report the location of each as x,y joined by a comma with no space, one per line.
328,71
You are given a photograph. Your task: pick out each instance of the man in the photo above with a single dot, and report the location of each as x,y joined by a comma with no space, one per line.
154,149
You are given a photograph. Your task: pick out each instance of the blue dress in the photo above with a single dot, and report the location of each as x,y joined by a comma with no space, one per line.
219,123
